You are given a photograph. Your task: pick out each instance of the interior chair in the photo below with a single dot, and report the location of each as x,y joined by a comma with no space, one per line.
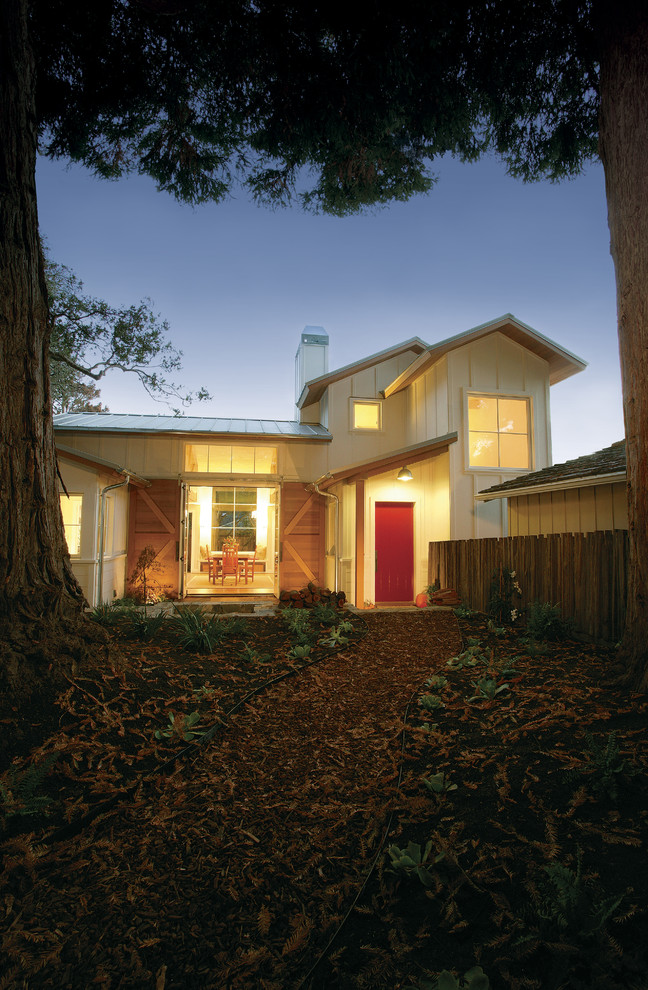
230,564
246,567
214,566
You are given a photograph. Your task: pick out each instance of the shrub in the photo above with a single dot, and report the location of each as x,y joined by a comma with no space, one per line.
197,631
545,621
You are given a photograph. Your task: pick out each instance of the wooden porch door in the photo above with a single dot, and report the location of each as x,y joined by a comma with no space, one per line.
394,551
302,537
154,520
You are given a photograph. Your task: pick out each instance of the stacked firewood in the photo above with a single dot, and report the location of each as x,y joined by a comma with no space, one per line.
312,595
445,596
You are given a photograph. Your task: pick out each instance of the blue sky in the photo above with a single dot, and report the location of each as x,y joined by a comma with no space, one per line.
238,283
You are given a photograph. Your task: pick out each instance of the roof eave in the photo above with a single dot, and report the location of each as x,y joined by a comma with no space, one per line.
554,486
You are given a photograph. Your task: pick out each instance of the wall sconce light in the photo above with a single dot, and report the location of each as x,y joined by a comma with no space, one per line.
404,474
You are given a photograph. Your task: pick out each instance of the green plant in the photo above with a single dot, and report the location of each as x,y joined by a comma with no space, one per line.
249,655
471,657
430,702
436,681
411,861
438,783
19,794
463,612
336,637
487,687
564,902
323,615
504,590
533,648
104,613
145,626
236,628
181,727
545,621
297,622
300,652
197,631
605,766
495,630
474,979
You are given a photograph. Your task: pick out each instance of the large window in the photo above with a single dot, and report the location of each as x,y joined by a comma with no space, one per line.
217,458
366,414
498,432
71,506
234,516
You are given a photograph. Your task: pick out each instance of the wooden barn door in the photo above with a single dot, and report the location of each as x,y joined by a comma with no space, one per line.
394,551
154,520
302,537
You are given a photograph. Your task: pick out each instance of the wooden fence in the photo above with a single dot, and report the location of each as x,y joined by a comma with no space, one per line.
585,573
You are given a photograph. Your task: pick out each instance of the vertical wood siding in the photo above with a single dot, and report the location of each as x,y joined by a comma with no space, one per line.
584,573
302,537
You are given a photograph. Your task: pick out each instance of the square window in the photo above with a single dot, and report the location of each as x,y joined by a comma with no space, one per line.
366,415
498,432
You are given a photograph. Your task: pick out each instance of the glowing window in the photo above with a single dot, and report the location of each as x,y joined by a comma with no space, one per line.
498,432
71,506
219,458
366,415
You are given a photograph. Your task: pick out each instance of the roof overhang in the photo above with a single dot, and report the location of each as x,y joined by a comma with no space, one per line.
315,389
562,363
106,467
554,486
406,455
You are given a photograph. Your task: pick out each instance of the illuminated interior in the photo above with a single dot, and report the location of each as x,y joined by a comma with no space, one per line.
498,432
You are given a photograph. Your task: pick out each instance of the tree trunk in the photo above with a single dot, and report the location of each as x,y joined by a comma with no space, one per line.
623,139
40,600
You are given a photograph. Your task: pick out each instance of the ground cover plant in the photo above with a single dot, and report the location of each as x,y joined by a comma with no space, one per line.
337,830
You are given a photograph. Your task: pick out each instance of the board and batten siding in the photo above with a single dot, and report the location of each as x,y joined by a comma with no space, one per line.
499,366
572,510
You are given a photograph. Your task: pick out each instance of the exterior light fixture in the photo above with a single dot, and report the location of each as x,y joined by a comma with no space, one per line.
404,474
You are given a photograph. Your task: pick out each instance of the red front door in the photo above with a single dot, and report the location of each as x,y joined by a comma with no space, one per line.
394,551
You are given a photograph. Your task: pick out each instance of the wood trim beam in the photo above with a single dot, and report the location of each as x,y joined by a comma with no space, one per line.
301,563
360,543
157,511
303,509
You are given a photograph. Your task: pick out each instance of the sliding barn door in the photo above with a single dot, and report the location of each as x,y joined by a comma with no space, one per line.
154,521
302,537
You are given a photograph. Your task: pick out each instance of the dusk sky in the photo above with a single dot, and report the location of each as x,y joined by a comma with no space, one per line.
238,283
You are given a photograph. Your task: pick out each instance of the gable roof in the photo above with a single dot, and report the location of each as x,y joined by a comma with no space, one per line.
607,465
209,425
562,363
107,467
314,389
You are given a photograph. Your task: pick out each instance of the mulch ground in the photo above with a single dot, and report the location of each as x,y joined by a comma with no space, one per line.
234,865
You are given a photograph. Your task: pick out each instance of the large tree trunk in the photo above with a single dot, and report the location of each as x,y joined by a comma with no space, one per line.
623,136
40,600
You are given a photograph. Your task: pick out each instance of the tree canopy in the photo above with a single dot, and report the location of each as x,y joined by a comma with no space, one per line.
89,338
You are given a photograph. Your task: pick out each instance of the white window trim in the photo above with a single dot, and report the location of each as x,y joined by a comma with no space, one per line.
494,393
362,400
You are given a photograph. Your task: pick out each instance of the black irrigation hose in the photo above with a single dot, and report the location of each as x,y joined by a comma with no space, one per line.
76,826
325,951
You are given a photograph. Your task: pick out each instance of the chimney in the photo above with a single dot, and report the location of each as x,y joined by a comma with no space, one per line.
311,359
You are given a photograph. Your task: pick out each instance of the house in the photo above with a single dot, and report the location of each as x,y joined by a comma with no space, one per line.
383,456
580,496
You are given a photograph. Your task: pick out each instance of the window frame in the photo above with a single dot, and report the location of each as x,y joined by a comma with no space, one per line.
470,393
69,496
356,400
273,448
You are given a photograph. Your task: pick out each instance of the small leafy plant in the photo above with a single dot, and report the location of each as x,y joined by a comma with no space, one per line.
488,688
430,702
545,621
181,727
19,796
336,636
300,652
471,657
605,766
323,615
144,626
474,979
197,631
438,783
412,862
437,681
249,655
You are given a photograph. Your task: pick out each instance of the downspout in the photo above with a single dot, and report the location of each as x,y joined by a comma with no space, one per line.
102,510
315,488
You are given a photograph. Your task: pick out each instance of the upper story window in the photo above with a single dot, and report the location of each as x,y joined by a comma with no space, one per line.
216,458
71,506
498,432
366,414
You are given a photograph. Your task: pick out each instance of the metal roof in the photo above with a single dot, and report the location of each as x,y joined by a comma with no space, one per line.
134,423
